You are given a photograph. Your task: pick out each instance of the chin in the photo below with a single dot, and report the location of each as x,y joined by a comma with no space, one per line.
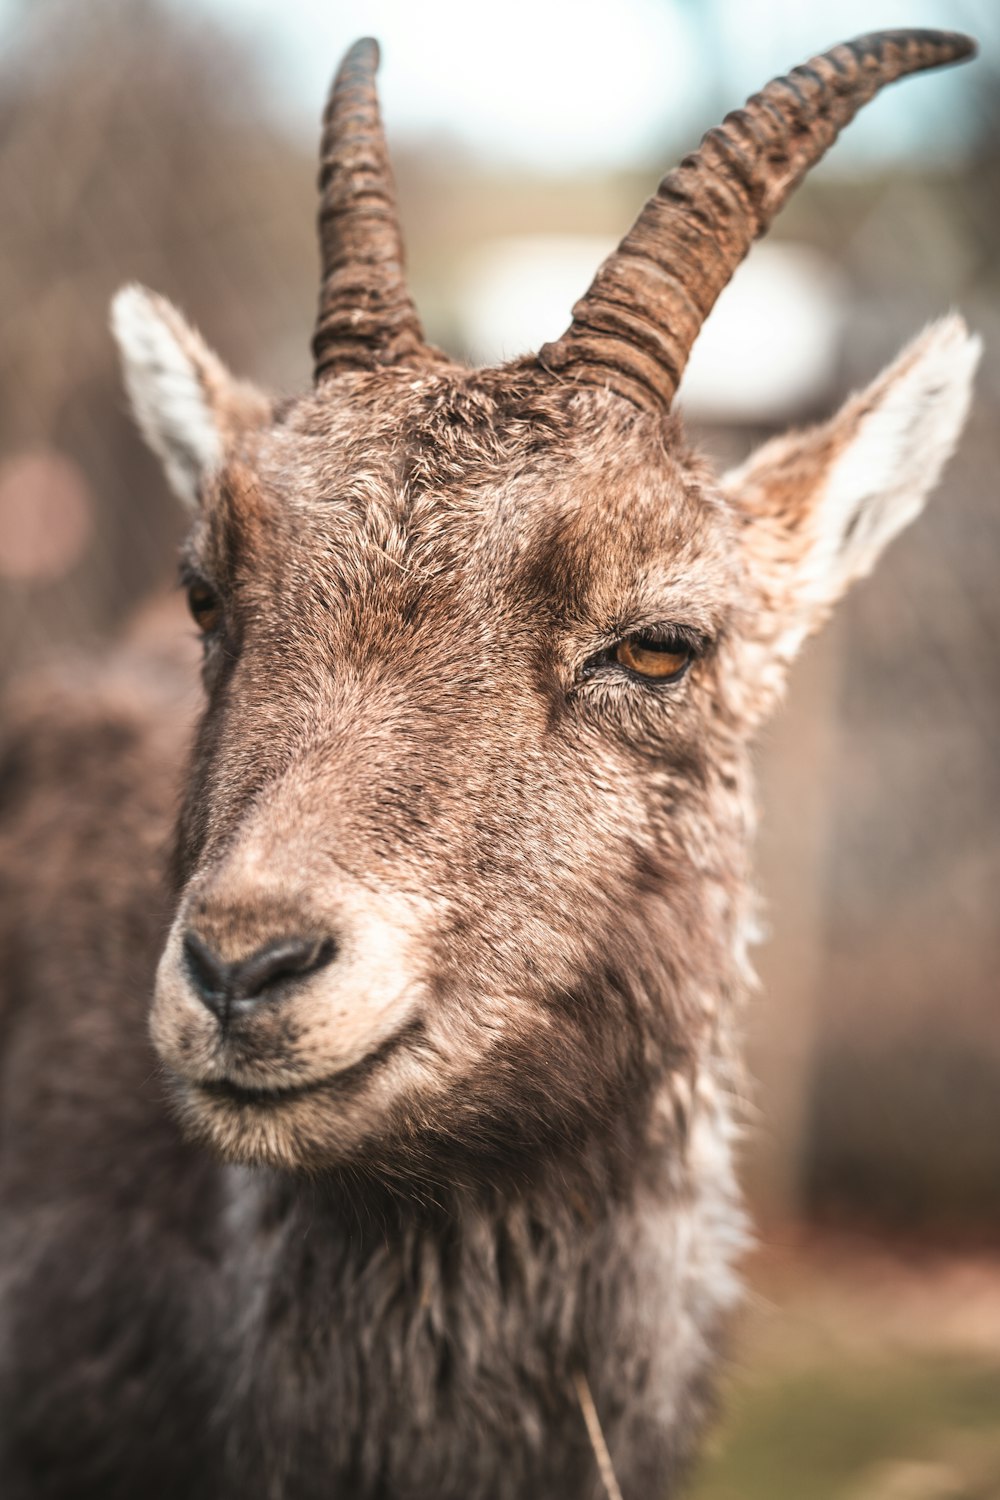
290,1131
328,1122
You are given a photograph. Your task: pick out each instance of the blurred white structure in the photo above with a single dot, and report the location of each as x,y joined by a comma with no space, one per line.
769,349
516,292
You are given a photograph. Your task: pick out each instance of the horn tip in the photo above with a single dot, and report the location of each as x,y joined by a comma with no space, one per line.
937,48
365,52
963,45
955,44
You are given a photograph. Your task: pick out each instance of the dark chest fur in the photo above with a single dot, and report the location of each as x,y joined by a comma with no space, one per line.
299,1354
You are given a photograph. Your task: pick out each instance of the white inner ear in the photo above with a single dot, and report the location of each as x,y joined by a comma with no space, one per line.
171,378
906,427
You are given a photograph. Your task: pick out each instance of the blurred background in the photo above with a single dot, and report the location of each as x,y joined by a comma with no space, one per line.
173,143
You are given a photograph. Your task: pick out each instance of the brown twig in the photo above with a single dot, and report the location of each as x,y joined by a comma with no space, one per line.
596,1434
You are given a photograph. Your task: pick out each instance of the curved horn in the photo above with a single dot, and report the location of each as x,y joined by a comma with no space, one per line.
366,316
634,329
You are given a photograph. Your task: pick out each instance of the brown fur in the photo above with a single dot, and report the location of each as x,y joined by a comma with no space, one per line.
485,1147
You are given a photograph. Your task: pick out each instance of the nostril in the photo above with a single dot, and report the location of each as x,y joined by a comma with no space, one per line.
208,973
286,958
228,988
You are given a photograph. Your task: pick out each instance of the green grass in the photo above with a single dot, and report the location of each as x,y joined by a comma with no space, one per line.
923,1428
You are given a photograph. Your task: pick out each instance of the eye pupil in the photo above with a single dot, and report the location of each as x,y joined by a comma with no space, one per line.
658,660
203,602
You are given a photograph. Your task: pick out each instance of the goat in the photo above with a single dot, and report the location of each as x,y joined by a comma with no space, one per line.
454,936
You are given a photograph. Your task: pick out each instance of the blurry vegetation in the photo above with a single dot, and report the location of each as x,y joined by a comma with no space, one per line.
863,1374
131,148
922,1429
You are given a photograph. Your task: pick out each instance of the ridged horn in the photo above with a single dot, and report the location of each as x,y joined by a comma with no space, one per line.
634,329
366,317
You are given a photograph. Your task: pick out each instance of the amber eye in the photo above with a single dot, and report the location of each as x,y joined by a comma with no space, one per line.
203,602
664,661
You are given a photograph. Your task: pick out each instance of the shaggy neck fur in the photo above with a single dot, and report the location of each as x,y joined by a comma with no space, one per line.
470,1319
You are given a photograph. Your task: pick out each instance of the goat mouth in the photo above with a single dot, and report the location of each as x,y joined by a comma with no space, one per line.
235,1093
341,1083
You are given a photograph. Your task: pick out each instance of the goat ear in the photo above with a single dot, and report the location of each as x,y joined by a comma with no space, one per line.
185,401
820,506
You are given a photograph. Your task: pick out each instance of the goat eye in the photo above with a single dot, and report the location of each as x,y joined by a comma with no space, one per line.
203,602
661,661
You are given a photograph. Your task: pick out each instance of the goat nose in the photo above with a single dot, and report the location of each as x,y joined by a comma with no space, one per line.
238,987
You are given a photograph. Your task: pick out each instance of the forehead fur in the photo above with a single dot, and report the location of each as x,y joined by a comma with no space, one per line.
486,473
